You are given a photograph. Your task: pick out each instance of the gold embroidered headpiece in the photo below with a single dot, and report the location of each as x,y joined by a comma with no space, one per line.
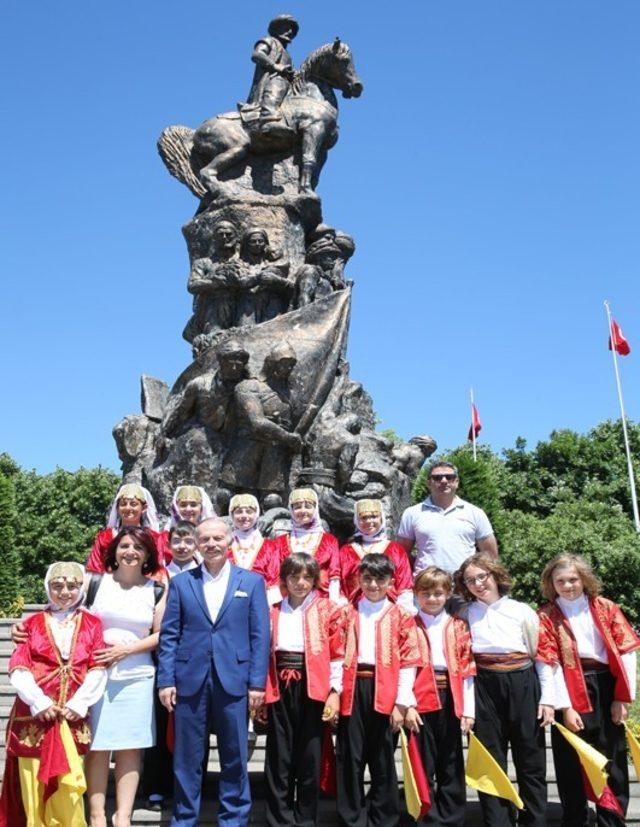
243,501
299,495
132,491
190,493
66,571
368,507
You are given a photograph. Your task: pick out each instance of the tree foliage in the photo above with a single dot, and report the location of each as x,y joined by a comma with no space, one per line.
10,568
569,494
58,515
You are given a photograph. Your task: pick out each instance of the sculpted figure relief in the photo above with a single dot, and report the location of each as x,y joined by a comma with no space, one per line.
267,275
274,72
323,270
259,458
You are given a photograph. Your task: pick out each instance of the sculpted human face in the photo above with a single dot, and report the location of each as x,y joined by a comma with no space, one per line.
244,517
225,236
282,369
232,367
432,601
481,584
299,586
130,553
303,512
182,548
369,523
213,542
374,588
190,510
256,244
443,481
130,511
567,582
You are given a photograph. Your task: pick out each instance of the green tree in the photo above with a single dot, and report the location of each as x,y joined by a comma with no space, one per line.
10,568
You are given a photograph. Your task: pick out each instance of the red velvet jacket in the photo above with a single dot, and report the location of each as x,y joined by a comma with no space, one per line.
617,634
323,628
265,563
456,640
396,646
27,737
95,561
350,556
326,552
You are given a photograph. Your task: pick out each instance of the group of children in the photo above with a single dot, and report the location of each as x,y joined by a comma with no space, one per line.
359,649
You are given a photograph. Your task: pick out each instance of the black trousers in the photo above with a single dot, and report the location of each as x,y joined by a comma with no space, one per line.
157,772
365,739
506,714
292,763
440,743
608,738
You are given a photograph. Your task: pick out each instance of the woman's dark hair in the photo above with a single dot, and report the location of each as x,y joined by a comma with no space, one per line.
298,563
150,565
182,528
376,565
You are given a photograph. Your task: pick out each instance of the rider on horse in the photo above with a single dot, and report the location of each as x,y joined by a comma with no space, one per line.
274,72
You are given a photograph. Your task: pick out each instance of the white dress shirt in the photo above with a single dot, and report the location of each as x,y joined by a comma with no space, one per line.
590,645
173,568
370,613
215,588
509,626
291,636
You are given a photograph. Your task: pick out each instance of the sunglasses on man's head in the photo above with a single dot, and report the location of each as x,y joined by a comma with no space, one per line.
440,477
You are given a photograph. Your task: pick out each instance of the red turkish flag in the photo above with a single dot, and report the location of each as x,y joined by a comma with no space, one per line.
619,342
476,425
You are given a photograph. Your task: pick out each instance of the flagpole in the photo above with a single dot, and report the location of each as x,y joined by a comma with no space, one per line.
473,429
632,482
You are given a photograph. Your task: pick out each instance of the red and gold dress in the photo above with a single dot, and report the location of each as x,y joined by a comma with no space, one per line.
320,545
43,755
353,553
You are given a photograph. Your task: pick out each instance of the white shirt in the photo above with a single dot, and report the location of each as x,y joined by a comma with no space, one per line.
291,636
215,588
590,645
173,568
370,613
444,537
509,626
434,625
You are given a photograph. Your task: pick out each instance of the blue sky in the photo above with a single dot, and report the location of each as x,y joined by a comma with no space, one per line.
490,175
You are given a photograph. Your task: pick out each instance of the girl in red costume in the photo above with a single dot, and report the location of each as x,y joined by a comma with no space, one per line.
133,506
371,537
190,503
303,690
249,549
595,645
308,537
57,678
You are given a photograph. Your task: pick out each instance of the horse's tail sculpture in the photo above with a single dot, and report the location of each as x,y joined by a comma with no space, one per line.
174,145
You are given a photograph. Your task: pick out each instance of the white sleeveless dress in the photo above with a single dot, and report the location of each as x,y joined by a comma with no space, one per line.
124,717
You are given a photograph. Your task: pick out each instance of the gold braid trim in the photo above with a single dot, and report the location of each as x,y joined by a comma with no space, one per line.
385,638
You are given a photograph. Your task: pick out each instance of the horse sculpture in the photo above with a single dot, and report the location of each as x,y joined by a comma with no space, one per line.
309,112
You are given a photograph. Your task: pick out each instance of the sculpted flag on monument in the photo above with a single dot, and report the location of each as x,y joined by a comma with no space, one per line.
476,425
617,340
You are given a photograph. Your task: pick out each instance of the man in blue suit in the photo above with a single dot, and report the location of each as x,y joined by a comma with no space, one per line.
213,654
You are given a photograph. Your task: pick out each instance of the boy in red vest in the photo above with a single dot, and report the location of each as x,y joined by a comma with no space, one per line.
381,656
443,705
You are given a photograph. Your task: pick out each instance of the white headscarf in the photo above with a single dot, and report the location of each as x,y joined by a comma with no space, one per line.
315,527
149,515
207,512
72,567
249,501
372,505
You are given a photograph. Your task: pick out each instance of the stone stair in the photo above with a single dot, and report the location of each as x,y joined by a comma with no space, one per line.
256,764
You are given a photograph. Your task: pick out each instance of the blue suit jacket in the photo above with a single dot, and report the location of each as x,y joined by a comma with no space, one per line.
238,642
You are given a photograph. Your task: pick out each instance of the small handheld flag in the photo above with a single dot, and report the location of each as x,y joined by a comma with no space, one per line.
484,774
416,785
634,749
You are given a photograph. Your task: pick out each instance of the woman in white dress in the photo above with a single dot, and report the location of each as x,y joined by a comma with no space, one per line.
130,606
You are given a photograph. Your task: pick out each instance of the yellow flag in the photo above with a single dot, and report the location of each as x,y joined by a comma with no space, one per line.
74,779
411,795
634,749
483,773
592,761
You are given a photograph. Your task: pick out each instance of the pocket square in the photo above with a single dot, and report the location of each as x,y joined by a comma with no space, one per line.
240,594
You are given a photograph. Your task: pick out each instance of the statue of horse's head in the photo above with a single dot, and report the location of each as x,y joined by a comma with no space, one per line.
333,63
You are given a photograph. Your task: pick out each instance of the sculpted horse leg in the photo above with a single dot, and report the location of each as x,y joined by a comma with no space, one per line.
225,142
313,136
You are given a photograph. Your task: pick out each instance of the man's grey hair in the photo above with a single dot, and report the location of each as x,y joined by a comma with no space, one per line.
442,464
220,520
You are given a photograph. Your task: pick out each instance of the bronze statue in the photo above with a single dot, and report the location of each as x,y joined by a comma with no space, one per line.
260,454
270,287
274,73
